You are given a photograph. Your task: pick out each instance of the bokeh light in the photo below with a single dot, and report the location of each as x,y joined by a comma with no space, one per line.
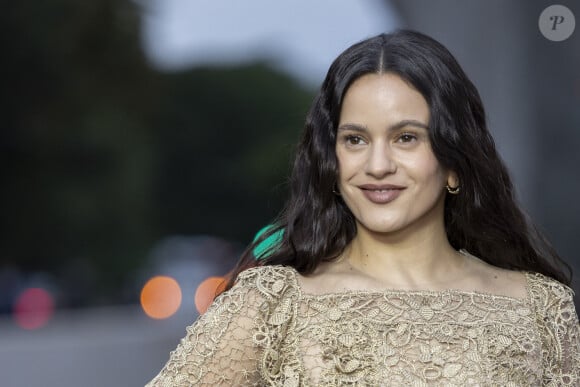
206,292
161,297
33,308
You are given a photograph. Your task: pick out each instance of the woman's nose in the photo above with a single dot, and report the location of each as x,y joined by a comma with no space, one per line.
380,161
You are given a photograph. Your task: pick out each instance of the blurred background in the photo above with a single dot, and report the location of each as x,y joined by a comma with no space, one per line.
144,143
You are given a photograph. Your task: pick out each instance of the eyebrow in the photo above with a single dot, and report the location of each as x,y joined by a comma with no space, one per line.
396,126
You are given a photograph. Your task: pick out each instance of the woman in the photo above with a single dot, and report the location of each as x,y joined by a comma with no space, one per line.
403,259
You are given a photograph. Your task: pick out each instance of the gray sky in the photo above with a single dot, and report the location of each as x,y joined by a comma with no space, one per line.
299,36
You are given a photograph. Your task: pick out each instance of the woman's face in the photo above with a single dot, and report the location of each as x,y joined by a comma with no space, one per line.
388,175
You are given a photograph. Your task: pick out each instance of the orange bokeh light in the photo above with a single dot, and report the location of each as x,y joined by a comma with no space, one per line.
206,292
161,297
33,308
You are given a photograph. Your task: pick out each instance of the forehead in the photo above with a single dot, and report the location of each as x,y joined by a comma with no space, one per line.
383,97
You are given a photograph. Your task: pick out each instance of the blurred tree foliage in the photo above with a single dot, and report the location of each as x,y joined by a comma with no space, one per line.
225,137
102,155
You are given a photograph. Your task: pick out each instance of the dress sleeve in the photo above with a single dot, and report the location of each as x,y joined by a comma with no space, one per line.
218,348
560,334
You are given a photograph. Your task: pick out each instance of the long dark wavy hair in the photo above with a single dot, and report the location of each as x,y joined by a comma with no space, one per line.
483,218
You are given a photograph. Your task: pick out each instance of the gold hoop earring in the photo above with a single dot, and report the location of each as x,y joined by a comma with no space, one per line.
453,190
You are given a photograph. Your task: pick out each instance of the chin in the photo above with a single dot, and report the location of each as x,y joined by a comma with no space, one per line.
380,227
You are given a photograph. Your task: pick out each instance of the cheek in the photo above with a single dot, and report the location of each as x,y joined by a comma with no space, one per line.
341,164
349,164
435,175
424,166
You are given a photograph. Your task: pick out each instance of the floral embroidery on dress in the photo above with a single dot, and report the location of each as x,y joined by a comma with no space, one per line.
265,331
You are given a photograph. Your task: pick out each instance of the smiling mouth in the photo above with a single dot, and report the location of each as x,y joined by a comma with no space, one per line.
381,195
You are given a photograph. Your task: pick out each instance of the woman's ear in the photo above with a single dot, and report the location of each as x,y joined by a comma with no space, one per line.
452,180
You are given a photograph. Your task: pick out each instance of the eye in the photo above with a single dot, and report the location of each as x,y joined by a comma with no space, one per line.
353,139
407,138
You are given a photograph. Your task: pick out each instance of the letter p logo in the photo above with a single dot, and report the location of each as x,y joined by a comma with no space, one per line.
556,23
556,20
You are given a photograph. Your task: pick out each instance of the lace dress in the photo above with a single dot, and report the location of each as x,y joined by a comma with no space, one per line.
266,332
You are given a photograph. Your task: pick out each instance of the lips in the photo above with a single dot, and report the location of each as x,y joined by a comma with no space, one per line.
381,194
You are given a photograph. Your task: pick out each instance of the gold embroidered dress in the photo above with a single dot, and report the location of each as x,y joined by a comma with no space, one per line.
266,331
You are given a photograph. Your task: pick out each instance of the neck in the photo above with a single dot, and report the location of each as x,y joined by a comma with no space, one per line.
409,258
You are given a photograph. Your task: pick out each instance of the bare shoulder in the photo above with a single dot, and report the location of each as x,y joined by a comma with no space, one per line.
318,282
519,284
495,280
331,277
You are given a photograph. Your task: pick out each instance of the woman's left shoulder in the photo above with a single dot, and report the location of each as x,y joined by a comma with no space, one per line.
547,292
